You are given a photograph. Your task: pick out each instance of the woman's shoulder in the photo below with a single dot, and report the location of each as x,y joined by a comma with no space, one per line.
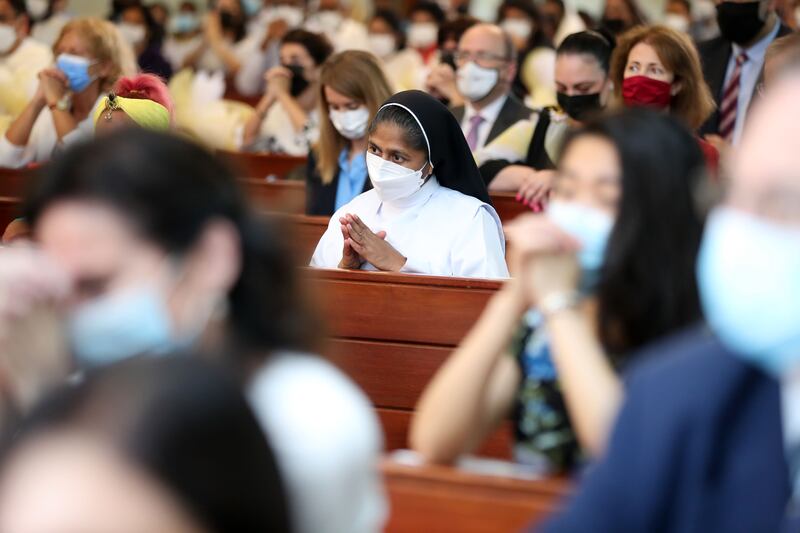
458,204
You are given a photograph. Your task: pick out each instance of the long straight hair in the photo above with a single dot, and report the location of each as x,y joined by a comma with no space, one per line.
359,76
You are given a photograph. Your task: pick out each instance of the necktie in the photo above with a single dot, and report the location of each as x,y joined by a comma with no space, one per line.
472,136
730,100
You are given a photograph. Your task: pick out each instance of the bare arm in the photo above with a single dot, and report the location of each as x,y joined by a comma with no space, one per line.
253,124
19,131
216,40
297,114
510,178
474,389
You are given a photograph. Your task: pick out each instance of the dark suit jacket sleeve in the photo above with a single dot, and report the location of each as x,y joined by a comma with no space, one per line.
318,196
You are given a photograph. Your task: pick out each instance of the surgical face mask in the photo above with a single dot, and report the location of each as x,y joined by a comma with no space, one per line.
591,227
475,82
392,181
8,36
382,44
350,124
134,34
422,34
739,22
677,22
748,275
252,7
326,21
37,8
579,106
120,325
76,68
519,28
184,23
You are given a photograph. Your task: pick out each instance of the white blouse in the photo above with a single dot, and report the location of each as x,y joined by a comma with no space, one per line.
43,140
327,442
441,232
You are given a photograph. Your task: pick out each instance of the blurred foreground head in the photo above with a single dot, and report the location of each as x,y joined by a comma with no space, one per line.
155,445
162,250
749,269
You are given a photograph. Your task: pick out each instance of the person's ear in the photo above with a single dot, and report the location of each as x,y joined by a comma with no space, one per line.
677,86
511,71
215,262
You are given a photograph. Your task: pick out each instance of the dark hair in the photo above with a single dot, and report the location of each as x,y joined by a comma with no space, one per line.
413,135
19,7
155,33
454,29
393,21
537,38
317,45
170,190
647,285
594,43
432,8
185,422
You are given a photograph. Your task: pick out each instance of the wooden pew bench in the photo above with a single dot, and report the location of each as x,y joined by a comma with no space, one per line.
445,499
391,332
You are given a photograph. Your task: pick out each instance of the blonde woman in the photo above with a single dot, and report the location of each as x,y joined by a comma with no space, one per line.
89,59
352,88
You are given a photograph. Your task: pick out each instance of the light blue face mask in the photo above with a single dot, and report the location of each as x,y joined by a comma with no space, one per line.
184,23
116,326
748,274
76,68
591,228
252,7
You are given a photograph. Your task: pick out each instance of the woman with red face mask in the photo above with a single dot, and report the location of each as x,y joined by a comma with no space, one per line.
658,67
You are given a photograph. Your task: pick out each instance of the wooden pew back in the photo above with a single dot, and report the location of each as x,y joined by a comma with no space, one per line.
445,499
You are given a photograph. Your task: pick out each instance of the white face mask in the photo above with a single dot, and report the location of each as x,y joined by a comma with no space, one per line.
37,8
422,34
326,21
292,15
351,124
517,27
392,181
676,22
134,34
8,36
381,44
475,82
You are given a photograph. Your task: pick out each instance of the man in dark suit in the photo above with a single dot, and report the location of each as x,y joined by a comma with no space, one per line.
733,62
709,436
486,65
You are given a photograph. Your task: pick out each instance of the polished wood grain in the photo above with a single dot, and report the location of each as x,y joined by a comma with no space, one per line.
261,166
441,499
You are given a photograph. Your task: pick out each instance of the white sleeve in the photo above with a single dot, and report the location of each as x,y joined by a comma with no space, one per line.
11,155
255,62
327,441
41,143
328,252
479,248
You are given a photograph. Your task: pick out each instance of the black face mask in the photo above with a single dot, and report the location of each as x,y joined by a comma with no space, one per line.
579,106
615,26
299,82
739,22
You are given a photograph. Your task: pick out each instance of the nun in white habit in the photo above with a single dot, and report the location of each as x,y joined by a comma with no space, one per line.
428,212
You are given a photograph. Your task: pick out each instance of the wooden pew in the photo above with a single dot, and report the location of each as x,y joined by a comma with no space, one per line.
444,499
261,166
391,332
289,197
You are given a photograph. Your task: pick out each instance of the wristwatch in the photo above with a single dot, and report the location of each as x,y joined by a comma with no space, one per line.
555,303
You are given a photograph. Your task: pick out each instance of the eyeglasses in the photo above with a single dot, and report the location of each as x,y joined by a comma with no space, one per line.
483,59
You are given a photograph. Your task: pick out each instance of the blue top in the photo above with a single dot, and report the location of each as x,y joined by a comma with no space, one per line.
352,176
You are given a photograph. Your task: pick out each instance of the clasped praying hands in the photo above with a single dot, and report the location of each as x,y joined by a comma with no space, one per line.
362,245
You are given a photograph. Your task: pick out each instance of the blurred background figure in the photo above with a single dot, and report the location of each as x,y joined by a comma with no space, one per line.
782,55
286,119
21,59
333,19
558,21
621,15
163,446
48,17
353,87
678,15
439,78
536,58
554,369
387,41
89,59
145,246
184,36
160,13
424,21
140,30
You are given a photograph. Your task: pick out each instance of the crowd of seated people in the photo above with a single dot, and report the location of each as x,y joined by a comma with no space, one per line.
162,364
